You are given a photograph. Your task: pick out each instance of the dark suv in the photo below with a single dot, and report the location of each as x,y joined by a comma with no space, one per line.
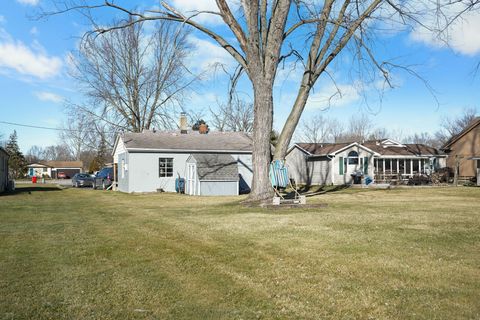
103,178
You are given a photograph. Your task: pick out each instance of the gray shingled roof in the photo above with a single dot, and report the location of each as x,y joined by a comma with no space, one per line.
409,149
216,141
64,164
216,166
322,148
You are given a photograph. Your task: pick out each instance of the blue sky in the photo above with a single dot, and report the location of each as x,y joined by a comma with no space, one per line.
34,82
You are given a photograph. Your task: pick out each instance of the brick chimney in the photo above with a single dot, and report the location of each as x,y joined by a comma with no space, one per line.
203,129
183,123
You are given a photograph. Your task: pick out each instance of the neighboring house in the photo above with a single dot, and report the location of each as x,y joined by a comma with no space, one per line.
339,163
463,150
151,161
3,170
52,168
39,170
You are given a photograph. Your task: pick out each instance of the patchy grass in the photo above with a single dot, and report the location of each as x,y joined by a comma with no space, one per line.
370,254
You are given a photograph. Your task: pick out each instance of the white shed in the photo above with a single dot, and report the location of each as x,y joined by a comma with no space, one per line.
211,175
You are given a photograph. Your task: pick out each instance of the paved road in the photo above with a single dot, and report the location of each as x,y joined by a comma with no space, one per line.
62,182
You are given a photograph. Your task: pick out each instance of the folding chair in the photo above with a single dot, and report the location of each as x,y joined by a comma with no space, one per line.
279,178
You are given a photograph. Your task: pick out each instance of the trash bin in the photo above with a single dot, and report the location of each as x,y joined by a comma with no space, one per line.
180,185
34,179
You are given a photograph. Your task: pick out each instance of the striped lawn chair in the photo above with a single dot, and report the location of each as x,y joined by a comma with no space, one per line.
279,178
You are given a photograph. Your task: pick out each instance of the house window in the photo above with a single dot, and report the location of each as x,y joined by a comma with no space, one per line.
388,165
123,168
401,166
165,167
408,166
394,166
353,157
416,168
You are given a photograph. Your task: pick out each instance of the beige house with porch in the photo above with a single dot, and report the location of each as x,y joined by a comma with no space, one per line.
347,163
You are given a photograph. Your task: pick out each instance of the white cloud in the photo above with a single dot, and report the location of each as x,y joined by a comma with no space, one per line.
291,72
333,96
204,100
29,2
449,24
49,96
34,31
189,7
32,61
2,19
462,36
5,36
207,55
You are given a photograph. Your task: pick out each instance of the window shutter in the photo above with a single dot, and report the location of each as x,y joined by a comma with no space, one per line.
365,165
340,164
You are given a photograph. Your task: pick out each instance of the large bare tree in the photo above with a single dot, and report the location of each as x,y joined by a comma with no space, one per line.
262,36
134,77
317,129
77,133
235,115
451,126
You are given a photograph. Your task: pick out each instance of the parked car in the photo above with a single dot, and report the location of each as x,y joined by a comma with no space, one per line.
82,180
103,178
62,175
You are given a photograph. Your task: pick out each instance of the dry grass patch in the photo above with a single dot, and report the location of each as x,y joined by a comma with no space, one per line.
370,254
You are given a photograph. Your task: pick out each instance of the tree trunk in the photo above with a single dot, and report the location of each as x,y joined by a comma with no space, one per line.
262,128
292,122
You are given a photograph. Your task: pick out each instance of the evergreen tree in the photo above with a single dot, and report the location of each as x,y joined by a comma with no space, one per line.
17,164
100,159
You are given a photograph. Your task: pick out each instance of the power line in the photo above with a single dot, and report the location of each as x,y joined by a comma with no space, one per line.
36,127
41,127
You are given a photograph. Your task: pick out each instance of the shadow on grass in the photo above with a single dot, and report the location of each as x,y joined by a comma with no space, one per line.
30,190
311,191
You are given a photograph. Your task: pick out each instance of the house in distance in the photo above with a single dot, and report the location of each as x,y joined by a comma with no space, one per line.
341,163
463,151
52,169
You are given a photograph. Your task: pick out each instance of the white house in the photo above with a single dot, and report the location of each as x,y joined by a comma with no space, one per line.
340,163
52,168
151,161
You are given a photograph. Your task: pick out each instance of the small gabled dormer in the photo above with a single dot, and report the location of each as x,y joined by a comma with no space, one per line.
386,143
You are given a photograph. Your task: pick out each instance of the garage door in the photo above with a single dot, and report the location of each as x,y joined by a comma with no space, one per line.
69,172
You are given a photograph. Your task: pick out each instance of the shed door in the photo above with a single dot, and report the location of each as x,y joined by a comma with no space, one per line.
191,179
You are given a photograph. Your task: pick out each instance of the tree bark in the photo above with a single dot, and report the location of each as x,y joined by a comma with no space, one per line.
292,122
262,127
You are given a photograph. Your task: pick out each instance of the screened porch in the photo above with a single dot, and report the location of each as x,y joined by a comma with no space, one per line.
401,169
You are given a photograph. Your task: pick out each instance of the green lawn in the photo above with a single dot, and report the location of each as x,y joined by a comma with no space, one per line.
369,254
